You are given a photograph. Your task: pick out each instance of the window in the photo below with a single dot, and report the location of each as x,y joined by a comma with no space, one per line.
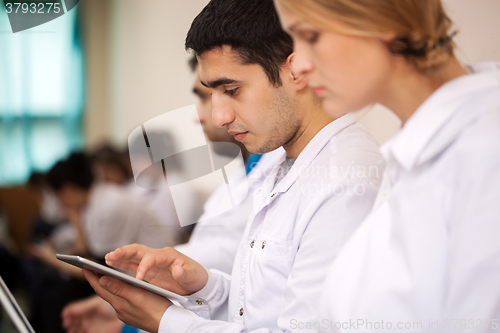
41,95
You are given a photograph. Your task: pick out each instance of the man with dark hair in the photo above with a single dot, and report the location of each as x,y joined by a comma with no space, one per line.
250,28
304,210
214,241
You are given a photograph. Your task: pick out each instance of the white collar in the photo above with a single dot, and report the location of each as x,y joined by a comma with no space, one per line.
312,149
434,126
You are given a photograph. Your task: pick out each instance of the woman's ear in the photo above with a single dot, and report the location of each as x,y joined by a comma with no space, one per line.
300,81
387,36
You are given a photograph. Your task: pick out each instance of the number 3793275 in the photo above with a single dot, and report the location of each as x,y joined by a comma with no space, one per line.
33,8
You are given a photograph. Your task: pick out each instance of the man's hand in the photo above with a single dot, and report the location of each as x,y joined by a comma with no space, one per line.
91,315
134,306
166,268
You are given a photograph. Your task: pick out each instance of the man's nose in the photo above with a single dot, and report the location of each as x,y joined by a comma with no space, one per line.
222,113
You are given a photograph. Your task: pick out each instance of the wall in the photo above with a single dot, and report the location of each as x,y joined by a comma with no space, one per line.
95,15
149,68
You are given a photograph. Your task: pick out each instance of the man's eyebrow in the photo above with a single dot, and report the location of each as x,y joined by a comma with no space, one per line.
219,82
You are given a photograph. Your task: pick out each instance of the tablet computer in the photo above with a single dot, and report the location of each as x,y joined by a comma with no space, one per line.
104,270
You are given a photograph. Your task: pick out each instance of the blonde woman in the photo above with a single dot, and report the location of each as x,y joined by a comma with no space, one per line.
428,256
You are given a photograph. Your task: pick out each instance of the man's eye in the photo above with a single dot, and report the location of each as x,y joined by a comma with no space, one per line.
231,92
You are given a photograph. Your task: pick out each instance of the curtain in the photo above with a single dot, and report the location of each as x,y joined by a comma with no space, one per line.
41,95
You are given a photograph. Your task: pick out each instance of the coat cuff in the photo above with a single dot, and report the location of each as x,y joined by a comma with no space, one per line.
177,320
199,302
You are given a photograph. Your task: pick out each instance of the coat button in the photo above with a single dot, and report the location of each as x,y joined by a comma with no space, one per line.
252,244
241,312
199,302
263,244
272,195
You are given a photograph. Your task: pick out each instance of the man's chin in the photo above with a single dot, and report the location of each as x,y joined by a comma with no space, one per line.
258,149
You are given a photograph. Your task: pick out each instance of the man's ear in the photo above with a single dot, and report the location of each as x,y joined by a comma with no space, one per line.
300,81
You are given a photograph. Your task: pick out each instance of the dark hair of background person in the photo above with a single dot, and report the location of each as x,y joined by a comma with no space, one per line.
75,170
193,63
37,180
251,28
107,155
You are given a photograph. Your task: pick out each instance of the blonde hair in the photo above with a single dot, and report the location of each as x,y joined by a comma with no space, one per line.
421,26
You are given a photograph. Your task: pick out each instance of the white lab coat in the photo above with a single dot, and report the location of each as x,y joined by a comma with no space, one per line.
113,218
293,235
160,204
214,241
429,253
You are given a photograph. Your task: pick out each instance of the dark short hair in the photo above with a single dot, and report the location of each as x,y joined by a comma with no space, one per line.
108,155
250,27
75,170
193,63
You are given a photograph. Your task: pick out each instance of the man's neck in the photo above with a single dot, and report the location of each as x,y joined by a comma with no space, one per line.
314,121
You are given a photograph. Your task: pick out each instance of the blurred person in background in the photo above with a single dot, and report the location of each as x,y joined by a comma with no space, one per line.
51,284
51,231
153,190
428,255
103,214
51,215
111,165
114,166
214,241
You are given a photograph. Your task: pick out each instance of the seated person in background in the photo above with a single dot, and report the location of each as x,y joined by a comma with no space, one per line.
51,215
213,243
104,215
303,212
157,197
111,165
51,230
51,283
